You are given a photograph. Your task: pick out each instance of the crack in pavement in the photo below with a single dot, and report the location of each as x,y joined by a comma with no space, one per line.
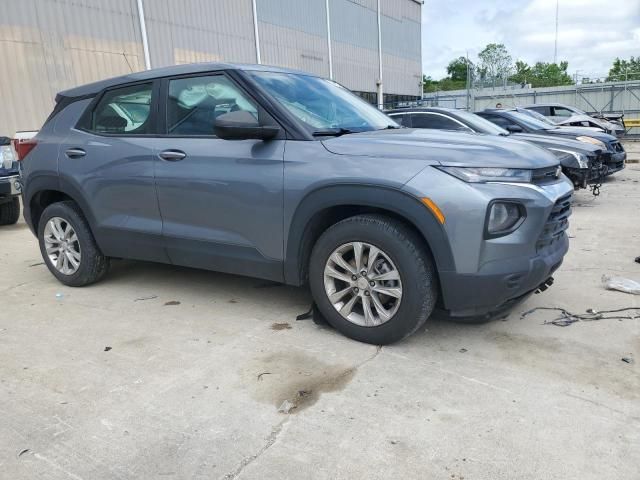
271,439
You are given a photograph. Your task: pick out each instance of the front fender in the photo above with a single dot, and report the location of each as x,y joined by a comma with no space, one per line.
349,195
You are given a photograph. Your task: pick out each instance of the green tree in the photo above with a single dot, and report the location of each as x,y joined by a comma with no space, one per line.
495,63
624,70
459,68
523,73
550,74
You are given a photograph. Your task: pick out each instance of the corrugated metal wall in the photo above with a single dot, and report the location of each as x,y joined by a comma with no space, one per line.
188,31
51,45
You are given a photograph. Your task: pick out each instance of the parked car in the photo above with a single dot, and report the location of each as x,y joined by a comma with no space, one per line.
566,115
282,175
580,161
9,184
516,122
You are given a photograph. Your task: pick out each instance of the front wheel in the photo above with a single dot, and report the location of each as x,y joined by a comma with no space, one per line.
372,279
68,247
10,212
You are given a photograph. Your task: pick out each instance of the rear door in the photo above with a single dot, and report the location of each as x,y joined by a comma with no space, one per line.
221,200
107,160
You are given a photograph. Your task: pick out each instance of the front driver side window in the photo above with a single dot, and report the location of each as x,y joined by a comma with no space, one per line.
562,112
194,103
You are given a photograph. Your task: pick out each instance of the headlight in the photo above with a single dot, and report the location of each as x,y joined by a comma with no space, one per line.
582,159
593,141
6,157
489,174
503,218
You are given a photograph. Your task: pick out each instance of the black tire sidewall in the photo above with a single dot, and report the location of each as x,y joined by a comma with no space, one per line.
10,212
91,257
418,293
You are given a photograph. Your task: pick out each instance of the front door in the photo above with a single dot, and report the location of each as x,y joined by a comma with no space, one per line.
220,200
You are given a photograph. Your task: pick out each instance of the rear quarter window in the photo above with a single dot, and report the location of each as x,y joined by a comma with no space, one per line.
125,111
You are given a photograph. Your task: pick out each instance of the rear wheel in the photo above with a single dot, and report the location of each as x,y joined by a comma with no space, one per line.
68,247
10,212
372,279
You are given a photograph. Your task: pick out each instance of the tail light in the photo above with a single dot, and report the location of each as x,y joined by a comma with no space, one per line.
23,147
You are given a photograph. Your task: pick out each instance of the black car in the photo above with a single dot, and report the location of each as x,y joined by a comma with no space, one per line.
9,184
516,122
580,161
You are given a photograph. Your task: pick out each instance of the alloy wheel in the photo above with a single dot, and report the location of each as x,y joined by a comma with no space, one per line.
62,246
363,284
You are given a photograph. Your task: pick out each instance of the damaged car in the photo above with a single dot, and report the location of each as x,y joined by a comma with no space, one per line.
613,156
568,116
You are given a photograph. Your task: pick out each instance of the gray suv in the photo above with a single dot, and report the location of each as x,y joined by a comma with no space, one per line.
285,176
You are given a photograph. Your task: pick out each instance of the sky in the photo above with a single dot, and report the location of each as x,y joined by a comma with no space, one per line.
591,33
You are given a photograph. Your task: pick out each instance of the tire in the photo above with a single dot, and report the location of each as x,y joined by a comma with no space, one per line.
402,250
10,212
92,264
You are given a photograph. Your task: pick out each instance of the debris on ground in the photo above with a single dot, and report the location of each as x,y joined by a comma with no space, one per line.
463,350
59,295
26,450
260,375
106,349
142,299
286,407
171,303
314,314
36,264
280,326
621,284
567,318
627,360
637,260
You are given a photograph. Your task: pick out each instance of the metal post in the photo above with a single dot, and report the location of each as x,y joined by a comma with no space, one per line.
379,82
555,51
326,6
255,31
143,33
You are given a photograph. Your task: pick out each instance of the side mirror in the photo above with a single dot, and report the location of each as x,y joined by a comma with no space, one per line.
242,125
515,129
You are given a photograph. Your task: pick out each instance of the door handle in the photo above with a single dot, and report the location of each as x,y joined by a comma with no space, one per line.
75,152
172,155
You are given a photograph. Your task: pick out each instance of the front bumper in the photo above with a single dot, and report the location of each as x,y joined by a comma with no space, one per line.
615,162
501,284
10,186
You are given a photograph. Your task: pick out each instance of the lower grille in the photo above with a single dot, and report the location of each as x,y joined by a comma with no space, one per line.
557,223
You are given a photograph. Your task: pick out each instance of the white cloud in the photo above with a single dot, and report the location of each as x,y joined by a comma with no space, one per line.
591,32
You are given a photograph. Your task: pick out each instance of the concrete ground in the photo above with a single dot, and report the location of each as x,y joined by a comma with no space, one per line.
119,381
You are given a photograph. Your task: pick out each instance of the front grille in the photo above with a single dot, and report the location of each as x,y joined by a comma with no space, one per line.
617,147
557,223
545,175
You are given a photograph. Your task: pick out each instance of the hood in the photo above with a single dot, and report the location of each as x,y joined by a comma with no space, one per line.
582,131
602,124
443,147
557,141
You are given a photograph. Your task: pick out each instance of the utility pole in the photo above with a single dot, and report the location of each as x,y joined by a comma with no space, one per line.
555,50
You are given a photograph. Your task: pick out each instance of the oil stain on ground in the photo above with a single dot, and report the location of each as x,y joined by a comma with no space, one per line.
294,377
280,326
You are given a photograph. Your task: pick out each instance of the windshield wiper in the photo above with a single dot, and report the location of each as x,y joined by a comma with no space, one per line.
391,127
331,132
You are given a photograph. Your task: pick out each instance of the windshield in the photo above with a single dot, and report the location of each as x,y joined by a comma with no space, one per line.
537,116
322,104
528,121
480,124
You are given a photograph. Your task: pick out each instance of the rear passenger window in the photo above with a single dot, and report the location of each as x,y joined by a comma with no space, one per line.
123,111
195,102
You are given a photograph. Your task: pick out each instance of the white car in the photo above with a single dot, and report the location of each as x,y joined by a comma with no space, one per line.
568,116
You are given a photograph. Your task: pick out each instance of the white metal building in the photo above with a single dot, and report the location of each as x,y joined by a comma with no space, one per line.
50,45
